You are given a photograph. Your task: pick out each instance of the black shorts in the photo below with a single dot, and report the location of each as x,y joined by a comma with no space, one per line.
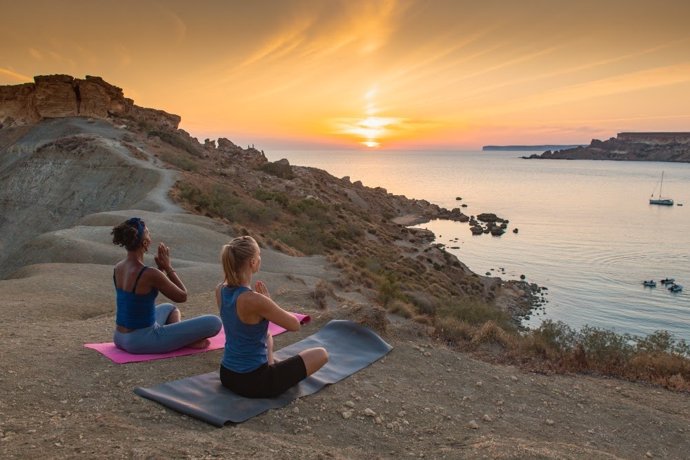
266,381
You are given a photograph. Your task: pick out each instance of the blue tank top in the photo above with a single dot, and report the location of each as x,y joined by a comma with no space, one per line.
135,311
245,344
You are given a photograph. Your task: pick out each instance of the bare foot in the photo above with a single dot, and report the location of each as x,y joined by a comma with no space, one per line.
203,343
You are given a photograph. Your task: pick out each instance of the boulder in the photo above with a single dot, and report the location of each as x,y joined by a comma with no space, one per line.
497,231
54,96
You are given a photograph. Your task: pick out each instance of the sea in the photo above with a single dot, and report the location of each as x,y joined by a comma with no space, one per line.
586,230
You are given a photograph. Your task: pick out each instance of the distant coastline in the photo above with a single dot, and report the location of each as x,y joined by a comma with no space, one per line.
638,146
530,147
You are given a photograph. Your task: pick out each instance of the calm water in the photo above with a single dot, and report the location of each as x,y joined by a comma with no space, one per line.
586,230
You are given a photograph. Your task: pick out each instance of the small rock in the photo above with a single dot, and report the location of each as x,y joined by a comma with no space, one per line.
473,425
350,404
549,421
369,413
295,410
480,383
378,420
346,414
649,454
513,378
487,418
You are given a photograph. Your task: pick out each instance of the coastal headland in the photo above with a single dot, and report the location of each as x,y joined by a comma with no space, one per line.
519,148
637,146
77,157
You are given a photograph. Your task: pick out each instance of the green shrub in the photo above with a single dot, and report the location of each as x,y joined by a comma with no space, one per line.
280,169
316,211
474,312
605,349
221,202
556,336
178,141
182,162
662,342
277,198
389,289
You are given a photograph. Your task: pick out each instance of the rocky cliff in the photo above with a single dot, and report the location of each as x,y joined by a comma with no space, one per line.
65,149
626,148
55,96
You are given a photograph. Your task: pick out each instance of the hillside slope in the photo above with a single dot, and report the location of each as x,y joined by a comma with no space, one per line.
67,181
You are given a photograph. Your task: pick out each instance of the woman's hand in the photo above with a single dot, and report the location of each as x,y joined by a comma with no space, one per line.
261,288
163,258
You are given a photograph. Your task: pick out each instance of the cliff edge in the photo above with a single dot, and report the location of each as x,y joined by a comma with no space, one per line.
58,96
673,147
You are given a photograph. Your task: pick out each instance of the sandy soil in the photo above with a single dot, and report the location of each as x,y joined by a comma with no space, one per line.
60,400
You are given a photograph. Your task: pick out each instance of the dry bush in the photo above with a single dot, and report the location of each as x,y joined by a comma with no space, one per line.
491,333
657,358
677,382
282,247
402,308
371,316
455,331
322,290
671,368
423,319
553,340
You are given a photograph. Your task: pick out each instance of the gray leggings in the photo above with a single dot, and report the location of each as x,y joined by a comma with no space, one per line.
162,338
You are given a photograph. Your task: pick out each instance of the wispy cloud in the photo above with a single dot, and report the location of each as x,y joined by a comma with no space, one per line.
310,39
626,83
15,75
532,77
36,54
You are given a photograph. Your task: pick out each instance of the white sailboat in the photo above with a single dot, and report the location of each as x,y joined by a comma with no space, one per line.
659,199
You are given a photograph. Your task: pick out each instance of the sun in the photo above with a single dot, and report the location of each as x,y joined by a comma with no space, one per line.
371,129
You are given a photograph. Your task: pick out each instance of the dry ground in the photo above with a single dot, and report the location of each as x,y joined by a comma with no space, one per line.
62,400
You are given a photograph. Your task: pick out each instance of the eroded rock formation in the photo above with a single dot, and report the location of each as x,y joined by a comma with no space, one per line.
55,96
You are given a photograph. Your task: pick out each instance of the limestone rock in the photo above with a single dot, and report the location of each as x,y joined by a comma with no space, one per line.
56,96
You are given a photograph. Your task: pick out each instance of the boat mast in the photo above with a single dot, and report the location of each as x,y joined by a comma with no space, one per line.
661,186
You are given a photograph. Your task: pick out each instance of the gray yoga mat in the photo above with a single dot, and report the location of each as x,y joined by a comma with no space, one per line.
351,347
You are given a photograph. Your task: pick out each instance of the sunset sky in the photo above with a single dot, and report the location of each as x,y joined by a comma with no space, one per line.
394,74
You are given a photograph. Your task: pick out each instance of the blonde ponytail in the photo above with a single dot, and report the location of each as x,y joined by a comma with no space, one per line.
235,255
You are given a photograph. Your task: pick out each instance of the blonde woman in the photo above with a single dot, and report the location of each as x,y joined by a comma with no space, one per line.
248,367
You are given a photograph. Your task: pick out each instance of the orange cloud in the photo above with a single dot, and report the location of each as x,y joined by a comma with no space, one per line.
15,75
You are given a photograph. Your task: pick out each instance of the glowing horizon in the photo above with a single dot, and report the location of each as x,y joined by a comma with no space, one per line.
374,75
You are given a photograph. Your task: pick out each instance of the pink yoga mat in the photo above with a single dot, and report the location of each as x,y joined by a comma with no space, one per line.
118,356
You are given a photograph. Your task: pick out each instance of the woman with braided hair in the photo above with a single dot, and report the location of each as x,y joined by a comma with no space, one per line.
141,325
248,367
